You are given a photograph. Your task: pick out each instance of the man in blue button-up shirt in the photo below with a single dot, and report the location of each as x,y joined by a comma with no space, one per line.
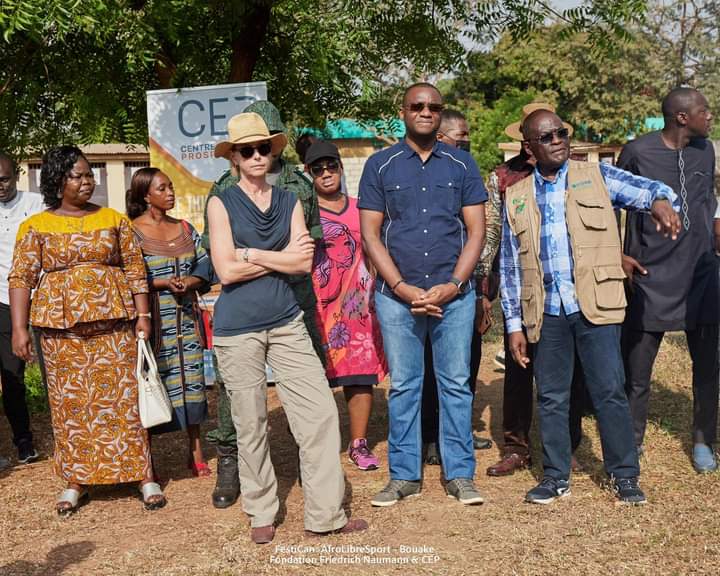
423,220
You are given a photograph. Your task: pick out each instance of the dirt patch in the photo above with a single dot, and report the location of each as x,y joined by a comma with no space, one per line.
677,533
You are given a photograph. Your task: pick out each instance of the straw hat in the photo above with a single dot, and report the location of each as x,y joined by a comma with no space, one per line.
248,128
513,130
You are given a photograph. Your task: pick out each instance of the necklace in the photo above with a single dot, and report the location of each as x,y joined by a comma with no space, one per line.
258,198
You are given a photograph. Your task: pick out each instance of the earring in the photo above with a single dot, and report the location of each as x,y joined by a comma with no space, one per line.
59,194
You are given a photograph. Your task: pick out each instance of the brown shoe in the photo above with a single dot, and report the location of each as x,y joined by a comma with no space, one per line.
354,525
262,534
508,465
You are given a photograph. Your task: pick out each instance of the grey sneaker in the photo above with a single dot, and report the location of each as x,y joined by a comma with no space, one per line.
4,463
396,490
463,489
500,360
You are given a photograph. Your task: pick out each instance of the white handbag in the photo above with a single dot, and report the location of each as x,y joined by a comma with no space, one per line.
153,400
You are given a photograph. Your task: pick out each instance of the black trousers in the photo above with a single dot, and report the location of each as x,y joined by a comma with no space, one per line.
640,349
430,415
517,399
12,373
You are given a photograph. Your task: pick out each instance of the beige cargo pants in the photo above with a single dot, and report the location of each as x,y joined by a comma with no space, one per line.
311,412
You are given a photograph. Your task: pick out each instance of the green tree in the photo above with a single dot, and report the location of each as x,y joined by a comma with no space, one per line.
78,70
488,124
686,41
605,94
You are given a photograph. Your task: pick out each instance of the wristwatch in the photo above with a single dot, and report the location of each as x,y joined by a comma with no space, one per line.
459,283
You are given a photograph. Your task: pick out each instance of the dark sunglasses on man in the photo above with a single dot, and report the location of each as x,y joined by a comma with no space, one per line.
548,137
318,168
249,151
420,106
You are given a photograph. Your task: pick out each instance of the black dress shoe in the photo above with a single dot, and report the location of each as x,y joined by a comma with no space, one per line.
227,486
431,454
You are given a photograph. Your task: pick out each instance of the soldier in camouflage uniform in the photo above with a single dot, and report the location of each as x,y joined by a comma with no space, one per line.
283,175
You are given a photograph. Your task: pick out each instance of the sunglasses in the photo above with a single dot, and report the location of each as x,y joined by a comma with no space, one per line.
249,151
331,166
547,138
420,106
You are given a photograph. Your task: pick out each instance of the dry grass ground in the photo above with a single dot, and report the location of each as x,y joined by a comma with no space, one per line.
677,533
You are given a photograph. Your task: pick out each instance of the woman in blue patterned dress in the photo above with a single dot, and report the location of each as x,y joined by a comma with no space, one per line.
178,267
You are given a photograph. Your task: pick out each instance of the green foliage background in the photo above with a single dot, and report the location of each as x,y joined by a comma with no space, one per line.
606,94
78,70
35,393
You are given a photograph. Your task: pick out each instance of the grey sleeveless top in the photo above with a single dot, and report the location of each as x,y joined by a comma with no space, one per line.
266,302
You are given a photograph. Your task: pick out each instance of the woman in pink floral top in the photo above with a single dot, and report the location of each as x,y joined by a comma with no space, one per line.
344,288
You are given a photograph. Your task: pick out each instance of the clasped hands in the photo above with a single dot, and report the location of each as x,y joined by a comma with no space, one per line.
427,302
177,285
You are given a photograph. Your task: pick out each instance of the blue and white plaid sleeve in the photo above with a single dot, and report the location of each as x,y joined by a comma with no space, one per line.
633,192
510,278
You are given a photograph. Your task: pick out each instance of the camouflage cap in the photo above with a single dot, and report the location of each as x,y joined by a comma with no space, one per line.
269,113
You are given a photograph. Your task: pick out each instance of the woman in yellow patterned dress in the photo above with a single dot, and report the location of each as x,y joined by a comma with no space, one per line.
90,303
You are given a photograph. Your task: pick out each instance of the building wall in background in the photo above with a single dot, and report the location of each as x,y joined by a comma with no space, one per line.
114,165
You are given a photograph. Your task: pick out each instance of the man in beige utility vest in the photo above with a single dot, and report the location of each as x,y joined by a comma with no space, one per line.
561,278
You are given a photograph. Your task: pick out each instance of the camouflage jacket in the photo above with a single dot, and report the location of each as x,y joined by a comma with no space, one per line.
501,178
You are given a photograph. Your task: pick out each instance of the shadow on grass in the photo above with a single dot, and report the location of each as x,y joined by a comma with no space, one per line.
490,396
56,562
671,411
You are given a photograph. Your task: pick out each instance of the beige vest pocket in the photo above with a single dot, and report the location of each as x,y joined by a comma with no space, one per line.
609,288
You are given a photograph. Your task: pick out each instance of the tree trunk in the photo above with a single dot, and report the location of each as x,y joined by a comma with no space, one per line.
165,69
247,42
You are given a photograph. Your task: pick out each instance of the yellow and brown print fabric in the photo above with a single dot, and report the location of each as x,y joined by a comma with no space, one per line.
84,269
85,272
93,402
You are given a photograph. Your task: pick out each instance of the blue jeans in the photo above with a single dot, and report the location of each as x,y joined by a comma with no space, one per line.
598,348
404,340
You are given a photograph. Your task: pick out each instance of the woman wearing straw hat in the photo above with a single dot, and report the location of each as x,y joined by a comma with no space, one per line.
257,237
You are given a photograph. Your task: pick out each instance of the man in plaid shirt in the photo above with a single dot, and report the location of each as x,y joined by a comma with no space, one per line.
561,277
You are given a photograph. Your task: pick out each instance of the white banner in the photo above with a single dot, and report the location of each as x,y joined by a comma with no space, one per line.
184,125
